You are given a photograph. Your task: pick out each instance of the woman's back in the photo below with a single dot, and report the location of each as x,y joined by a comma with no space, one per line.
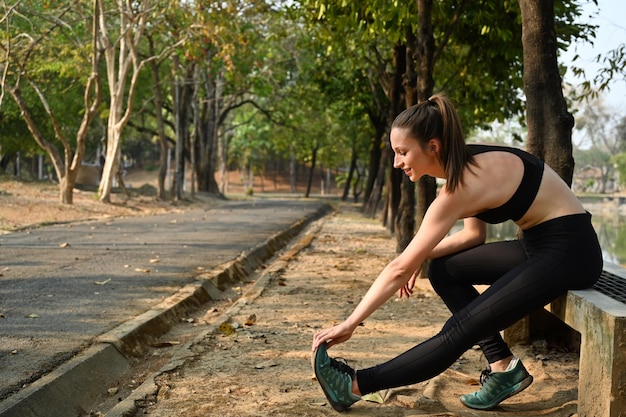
498,178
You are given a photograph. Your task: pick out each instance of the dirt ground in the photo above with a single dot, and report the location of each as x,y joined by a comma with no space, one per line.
26,203
260,366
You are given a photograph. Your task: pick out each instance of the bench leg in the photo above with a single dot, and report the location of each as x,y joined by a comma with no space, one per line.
602,375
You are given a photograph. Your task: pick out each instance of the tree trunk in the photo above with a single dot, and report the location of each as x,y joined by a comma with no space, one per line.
121,57
207,139
394,185
376,150
405,219
549,122
311,172
353,166
373,203
158,109
424,56
181,122
292,170
376,178
197,128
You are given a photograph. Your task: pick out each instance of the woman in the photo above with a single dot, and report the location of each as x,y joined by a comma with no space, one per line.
559,251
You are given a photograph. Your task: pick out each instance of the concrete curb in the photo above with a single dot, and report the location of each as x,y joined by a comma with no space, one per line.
82,379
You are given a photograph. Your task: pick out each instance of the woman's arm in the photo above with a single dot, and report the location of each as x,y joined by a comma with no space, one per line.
438,220
474,233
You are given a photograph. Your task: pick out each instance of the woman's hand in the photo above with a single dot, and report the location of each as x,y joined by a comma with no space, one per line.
334,335
407,289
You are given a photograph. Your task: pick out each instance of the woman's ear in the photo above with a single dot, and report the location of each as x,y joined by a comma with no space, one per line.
434,145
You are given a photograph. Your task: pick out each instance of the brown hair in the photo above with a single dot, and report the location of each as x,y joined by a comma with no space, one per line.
436,118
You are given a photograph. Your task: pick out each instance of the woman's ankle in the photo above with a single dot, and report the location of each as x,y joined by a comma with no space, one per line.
355,386
501,365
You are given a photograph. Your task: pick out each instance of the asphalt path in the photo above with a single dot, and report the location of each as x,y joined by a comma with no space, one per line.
63,285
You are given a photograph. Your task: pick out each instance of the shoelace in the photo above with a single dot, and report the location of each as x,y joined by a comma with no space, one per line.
342,366
484,375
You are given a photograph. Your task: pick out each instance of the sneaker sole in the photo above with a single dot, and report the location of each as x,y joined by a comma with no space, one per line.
336,406
519,387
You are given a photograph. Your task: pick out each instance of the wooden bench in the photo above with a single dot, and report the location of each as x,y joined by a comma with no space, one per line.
599,315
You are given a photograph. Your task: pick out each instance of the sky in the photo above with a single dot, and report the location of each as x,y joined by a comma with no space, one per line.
611,32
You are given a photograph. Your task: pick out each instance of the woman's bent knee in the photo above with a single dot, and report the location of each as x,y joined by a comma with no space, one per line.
437,273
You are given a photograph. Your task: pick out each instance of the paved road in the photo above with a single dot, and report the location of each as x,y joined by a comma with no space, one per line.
63,285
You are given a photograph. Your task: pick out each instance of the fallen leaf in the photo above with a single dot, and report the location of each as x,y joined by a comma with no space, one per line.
226,328
106,281
472,381
64,245
268,364
251,320
373,398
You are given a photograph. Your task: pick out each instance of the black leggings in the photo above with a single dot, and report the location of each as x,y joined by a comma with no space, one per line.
553,257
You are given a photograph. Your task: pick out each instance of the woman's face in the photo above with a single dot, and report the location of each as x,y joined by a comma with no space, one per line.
411,157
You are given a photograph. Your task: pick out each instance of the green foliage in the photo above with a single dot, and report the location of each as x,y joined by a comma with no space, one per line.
45,44
469,48
297,76
250,144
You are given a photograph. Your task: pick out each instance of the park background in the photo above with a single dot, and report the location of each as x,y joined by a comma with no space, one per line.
283,105
285,97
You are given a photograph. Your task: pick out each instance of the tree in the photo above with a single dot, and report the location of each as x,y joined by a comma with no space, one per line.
32,57
290,63
158,101
122,58
233,46
451,41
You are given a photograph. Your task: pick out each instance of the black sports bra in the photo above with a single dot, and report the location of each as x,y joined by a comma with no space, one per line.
525,194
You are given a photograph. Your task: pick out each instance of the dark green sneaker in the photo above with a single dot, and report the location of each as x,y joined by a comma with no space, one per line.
498,386
335,379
